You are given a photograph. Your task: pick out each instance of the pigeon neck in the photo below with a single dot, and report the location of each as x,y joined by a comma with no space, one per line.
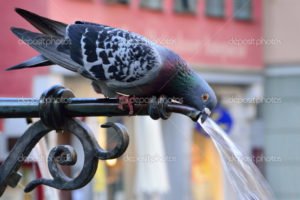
182,83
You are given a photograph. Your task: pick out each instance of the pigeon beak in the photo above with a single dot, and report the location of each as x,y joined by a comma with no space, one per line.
204,114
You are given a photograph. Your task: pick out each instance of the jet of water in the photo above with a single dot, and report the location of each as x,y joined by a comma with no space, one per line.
241,172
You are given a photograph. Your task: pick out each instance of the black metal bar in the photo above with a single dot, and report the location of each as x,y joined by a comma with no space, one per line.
83,107
19,107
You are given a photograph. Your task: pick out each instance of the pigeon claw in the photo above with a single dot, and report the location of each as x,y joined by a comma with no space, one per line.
126,100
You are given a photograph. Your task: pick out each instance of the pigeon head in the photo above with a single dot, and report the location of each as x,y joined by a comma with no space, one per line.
193,91
199,95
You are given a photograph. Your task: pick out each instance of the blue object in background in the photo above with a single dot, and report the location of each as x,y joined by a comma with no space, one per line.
222,117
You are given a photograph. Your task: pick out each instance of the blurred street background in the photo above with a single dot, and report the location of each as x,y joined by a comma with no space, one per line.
248,50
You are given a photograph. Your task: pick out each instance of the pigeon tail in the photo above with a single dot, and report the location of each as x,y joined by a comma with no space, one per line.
52,48
43,24
37,61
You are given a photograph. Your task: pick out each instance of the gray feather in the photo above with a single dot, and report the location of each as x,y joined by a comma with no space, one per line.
43,24
48,47
112,54
37,61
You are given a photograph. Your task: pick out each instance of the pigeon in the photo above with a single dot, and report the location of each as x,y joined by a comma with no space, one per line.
117,61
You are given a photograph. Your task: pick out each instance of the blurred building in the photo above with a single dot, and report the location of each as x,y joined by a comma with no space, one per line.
282,82
221,39
18,84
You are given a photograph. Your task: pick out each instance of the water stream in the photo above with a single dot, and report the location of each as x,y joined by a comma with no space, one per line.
241,172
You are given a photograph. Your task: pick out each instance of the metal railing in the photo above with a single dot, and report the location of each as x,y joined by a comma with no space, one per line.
56,109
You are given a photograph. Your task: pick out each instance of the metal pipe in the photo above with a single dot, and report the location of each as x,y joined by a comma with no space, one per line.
75,107
19,107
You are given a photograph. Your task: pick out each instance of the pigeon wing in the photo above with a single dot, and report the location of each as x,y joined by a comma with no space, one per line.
111,54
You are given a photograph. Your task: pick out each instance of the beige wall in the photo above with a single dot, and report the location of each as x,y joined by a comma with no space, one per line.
81,87
282,25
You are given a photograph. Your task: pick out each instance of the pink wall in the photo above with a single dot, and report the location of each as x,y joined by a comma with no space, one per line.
16,83
199,39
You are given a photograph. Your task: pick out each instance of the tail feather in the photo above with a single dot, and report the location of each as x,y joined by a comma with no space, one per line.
48,46
43,24
37,61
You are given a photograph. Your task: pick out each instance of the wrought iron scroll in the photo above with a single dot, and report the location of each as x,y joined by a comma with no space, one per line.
56,109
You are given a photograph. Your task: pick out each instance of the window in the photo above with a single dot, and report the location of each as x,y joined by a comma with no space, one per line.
118,1
214,8
243,9
152,4
123,1
185,6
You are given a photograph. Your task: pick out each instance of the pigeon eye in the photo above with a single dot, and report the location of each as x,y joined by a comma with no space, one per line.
205,97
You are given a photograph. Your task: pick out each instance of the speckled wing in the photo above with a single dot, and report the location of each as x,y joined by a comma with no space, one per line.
112,55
